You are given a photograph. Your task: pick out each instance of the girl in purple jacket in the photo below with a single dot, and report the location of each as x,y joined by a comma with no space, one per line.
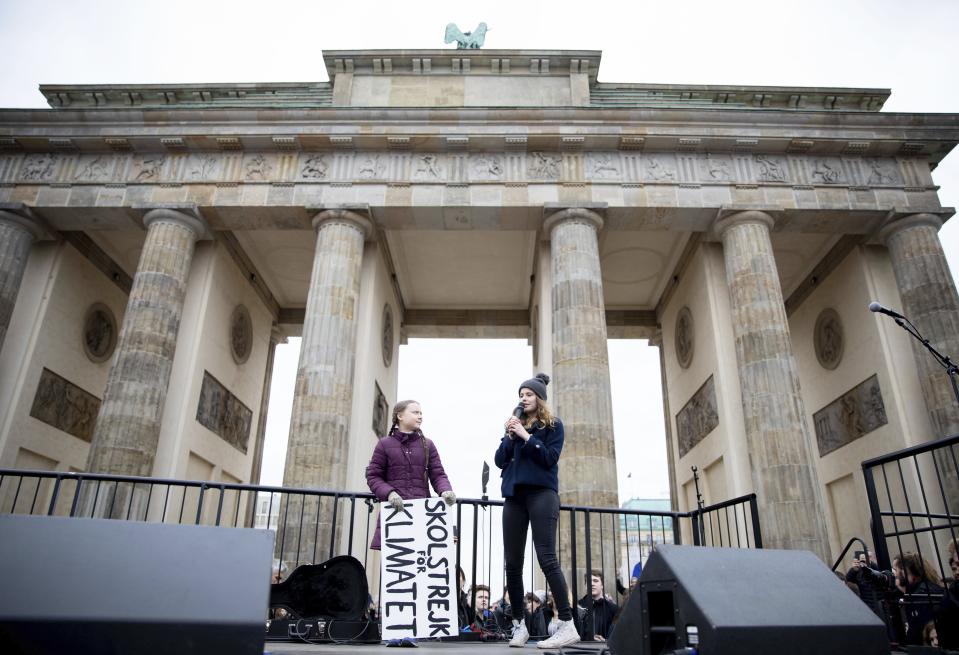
405,463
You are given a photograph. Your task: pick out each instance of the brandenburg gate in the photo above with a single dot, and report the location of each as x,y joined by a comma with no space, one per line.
158,241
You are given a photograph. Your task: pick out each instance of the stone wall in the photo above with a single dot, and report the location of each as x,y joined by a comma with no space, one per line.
209,331
47,332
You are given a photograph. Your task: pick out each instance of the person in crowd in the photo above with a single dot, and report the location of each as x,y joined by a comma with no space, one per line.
604,609
634,577
947,618
484,617
503,613
405,463
463,612
549,612
528,456
870,587
923,595
535,619
929,635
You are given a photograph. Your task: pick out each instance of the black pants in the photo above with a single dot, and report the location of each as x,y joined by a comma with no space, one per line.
539,507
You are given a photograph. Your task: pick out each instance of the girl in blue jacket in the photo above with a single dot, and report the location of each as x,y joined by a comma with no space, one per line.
529,458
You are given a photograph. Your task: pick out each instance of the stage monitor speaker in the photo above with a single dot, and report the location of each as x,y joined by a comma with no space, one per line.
724,601
82,586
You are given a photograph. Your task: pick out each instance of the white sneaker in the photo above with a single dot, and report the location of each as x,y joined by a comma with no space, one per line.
520,635
565,635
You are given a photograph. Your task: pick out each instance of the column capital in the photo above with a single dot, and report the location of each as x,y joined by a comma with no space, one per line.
185,216
902,221
730,216
656,339
344,216
277,335
587,214
19,215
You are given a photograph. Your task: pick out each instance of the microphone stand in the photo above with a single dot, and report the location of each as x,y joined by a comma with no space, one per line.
942,360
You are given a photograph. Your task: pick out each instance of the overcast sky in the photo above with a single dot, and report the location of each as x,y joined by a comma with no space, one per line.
467,387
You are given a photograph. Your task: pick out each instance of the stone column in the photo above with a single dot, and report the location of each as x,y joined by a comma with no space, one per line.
275,338
657,342
318,451
929,299
17,234
781,460
580,390
128,426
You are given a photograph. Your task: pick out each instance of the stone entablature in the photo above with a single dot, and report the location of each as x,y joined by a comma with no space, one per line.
310,94
398,167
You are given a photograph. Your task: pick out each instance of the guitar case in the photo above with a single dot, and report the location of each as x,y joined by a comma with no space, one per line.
323,602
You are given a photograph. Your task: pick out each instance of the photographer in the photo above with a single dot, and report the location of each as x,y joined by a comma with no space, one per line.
880,591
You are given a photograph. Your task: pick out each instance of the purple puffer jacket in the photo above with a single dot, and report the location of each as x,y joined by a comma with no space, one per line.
398,464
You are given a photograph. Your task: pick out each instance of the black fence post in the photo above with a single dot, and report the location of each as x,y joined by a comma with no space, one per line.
757,528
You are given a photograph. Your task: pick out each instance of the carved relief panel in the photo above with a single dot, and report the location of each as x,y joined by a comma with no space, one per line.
698,417
857,412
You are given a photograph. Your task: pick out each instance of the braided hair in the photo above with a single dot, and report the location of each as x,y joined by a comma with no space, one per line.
398,409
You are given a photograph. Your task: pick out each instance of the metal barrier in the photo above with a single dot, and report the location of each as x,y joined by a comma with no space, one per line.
913,499
314,525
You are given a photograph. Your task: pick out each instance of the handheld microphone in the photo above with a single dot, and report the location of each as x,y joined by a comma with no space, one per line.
876,307
518,413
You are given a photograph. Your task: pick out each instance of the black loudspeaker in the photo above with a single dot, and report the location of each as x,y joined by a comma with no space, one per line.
723,601
104,586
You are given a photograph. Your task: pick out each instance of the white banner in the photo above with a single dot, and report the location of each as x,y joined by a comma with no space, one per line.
418,570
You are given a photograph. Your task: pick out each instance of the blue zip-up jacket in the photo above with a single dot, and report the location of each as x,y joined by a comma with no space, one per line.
534,463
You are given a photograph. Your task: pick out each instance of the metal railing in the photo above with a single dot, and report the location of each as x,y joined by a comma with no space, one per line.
913,497
313,525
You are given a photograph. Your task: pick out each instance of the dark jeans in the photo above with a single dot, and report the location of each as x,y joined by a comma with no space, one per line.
539,507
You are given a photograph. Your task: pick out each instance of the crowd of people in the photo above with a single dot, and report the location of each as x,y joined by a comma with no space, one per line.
540,618
918,606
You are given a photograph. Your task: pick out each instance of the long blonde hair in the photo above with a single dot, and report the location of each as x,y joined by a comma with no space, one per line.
543,414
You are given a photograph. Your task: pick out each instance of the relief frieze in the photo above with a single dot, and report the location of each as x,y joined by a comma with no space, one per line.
716,168
314,167
881,172
39,168
698,417
429,167
771,168
370,166
147,168
405,167
203,167
94,168
603,166
222,413
258,168
852,415
543,166
827,170
65,406
660,168
487,167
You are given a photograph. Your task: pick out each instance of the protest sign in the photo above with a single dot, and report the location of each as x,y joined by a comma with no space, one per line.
418,570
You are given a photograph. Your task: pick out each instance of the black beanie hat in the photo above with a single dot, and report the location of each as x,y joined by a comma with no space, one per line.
537,385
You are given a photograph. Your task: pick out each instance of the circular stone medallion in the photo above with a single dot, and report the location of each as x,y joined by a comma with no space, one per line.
387,335
241,334
828,339
684,337
99,333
